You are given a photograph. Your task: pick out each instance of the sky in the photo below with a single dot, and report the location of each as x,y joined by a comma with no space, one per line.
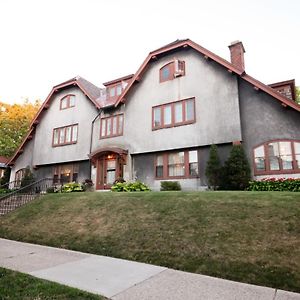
44,43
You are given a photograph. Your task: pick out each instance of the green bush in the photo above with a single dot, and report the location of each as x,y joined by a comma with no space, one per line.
235,175
170,186
28,178
213,168
130,187
4,191
273,184
72,187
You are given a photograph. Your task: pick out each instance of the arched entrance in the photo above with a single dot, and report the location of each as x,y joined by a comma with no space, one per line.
109,164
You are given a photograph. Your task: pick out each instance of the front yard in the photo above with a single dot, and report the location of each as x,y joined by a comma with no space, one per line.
251,237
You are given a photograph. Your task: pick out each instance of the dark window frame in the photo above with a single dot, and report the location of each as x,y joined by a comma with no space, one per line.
173,73
60,129
165,166
267,170
68,102
173,123
110,119
56,171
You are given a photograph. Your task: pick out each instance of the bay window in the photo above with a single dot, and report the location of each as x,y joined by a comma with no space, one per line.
277,157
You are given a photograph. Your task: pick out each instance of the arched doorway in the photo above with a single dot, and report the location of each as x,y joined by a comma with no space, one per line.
109,164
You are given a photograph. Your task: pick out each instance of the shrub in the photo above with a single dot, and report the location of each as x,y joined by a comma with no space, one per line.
213,168
170,186
72,187
130,187
5,179
4,191
50,190
87,185
273,184
28,178
235,175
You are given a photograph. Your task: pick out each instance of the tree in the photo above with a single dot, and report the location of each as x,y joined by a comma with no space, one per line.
236,171
14,124
298,94
213,168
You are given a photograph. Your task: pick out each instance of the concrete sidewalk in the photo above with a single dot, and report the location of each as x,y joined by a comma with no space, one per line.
125,280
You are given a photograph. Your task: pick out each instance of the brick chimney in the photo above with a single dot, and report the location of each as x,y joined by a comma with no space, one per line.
237,51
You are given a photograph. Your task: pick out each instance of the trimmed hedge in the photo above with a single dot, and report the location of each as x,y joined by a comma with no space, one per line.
170,186
275,184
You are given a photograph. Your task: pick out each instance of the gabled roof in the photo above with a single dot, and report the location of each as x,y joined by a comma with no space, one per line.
280,84
90,90
181,44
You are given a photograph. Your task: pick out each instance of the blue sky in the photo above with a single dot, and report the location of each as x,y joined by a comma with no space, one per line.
46,42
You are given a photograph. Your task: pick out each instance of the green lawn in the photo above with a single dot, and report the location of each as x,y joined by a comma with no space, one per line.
252,237
19,286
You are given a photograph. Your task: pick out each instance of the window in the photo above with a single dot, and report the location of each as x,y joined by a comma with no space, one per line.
65,135
112,126
172,70
181,164
115,90
277,157
19,176
173,114
65,173
67,102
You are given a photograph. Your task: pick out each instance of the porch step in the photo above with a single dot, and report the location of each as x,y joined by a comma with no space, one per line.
14,201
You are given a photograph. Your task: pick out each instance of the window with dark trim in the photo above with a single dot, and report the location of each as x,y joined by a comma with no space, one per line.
65,135
172,70
65,173
173,114
67,102
181,164
112,126
277,157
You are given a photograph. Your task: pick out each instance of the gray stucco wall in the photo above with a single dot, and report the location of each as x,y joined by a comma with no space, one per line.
263,118
24,160
144,171
83,114
217,108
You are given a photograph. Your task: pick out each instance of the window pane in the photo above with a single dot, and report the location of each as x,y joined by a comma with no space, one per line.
165,72
189,110
297,148
108,125
68,134
274,163
114,126
103,127
55,137
298,160
159,160
64,103
72,100
285,148
167,115
178,112
112,92
159,171
273,149
119,89
176,164
120,128
287,162
74,133
62,135
193,163
157,117
259,157
193,156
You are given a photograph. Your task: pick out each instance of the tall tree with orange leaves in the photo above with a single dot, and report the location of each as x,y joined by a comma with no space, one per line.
14,124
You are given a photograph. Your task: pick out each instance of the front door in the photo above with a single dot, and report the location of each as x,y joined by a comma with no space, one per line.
108,170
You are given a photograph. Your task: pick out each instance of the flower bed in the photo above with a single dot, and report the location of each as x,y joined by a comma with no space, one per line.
275,184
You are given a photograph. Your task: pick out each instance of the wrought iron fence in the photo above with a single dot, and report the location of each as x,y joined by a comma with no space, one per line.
25,194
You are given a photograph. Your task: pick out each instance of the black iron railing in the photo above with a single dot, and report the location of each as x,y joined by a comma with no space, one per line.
25,194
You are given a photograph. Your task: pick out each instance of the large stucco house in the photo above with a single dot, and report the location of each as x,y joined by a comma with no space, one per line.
159,123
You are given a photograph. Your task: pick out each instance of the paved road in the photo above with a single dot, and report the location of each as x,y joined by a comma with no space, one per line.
120,279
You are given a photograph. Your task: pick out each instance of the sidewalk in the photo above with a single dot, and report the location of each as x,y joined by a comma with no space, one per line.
119,279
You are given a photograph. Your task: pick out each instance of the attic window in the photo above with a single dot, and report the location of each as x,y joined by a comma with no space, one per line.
172,70
67,102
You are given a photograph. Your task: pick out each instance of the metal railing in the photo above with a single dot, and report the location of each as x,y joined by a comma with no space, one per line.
25,194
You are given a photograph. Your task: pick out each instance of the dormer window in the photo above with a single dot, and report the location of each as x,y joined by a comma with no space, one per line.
172,70
67,102
115,90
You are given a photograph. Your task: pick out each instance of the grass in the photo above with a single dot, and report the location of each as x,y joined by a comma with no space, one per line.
252,237
15,285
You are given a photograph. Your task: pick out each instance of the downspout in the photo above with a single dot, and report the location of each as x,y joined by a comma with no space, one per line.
91,140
